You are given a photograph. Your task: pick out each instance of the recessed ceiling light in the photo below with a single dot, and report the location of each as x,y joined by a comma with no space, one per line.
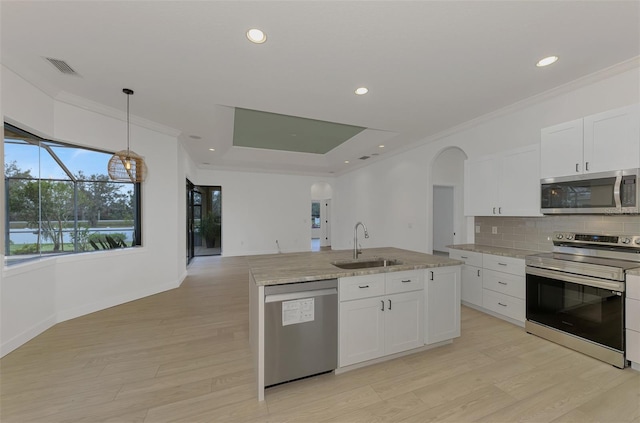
547,61
212,149
381,146
195,137
362,90
256,36
346,161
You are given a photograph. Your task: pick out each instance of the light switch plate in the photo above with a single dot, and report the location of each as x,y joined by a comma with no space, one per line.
477,229
494,230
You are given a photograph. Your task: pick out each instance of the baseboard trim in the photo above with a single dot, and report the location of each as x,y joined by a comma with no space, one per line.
27,335
64,315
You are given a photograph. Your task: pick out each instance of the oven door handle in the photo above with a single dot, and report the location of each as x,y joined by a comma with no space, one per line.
577,279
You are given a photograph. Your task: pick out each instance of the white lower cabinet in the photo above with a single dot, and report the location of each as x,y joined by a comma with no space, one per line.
632,310
443,304
471,283
380,325
493,283
362,330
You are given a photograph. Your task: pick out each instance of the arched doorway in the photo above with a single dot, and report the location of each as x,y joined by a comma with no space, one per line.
447,195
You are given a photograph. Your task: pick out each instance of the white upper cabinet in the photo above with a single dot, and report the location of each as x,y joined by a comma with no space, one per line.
506,184
561,149
612,140
598,143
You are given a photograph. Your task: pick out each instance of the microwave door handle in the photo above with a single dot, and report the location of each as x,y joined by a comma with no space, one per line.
616,192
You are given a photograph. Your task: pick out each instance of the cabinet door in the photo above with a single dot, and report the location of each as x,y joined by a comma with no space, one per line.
481,187
561,149
612,140
519,184
361,330
442,304
403,321
472,285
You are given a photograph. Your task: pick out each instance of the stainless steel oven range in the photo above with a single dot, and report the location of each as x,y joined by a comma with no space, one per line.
575,295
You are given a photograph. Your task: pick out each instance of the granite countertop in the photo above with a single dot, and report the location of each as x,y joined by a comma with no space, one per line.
496,251
275,269
634,272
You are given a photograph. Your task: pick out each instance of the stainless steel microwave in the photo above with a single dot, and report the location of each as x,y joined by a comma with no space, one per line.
615,192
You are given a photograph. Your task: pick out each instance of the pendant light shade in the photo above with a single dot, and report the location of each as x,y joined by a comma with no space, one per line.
126,165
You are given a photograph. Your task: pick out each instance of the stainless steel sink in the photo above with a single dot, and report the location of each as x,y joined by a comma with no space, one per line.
364,264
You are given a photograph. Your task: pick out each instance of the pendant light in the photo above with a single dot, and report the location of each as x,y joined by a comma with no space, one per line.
125,165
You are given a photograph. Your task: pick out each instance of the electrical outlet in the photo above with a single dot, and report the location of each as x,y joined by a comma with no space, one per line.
494,230
477,229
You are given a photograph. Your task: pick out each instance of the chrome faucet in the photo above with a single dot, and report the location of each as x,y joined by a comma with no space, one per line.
356,251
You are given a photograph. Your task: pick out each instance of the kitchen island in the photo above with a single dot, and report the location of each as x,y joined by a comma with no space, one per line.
278,269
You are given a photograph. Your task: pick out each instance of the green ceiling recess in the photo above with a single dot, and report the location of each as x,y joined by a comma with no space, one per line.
272,131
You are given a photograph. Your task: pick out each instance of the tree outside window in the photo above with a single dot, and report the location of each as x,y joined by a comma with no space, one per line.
61,201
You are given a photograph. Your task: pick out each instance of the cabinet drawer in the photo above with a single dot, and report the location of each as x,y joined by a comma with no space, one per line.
633,287
633,345
397,282
365,286
632,313
503,304
469,257
504,283
511,265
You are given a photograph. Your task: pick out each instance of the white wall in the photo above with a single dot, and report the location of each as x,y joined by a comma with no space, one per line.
36,295
260,208
392,196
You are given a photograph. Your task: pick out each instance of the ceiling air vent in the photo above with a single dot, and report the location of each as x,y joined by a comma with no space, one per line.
365,157
62,66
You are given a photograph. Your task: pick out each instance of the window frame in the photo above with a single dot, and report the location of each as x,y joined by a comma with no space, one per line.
44,145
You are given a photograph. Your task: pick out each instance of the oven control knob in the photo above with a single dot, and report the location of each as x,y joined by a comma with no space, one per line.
638,241
626,240
559,236
569,237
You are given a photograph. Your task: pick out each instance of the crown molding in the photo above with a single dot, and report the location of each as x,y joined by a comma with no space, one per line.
627,65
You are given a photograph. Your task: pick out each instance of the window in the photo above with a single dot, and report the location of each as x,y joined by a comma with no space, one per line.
60,200
315,215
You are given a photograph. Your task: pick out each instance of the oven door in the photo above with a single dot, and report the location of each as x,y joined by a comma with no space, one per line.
589,308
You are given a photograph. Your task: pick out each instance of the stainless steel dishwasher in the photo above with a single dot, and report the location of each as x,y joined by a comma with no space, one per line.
301,330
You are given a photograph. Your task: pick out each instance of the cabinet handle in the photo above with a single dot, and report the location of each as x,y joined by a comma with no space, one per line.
499,210
389,304
464,257
363,286
478,272
502,264
503,305
586,166
431,278
408,280
382,301
502,283
494,210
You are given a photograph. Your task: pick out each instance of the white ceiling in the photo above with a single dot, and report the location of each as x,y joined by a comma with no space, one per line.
429,65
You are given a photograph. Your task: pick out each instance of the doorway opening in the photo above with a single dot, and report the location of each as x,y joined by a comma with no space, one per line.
443,225
321,193
449,225
204,220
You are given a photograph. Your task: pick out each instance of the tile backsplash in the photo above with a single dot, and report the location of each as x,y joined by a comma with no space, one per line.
534,233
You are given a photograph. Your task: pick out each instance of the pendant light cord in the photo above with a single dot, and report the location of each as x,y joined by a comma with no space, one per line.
129,93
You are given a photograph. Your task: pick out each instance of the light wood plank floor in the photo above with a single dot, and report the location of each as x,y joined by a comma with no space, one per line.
183,356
